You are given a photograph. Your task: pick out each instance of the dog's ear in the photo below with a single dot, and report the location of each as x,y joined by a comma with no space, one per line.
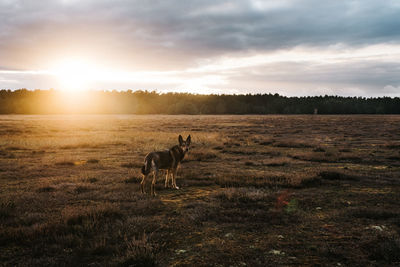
180,139
188,140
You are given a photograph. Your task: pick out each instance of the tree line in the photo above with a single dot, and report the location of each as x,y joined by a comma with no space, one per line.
25,101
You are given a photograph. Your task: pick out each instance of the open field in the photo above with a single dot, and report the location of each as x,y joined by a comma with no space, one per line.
255,191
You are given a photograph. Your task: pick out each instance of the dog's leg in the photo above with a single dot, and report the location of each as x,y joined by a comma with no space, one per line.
143,183
174,178
171,174
166,179
153,183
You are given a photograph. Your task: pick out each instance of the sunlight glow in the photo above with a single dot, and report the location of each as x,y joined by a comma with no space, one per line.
74,75
78,75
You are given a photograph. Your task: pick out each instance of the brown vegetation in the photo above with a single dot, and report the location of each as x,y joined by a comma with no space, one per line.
255,191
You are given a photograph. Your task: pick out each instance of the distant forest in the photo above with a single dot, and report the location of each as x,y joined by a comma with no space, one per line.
143,102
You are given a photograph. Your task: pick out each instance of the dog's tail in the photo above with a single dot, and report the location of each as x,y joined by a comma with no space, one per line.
146,167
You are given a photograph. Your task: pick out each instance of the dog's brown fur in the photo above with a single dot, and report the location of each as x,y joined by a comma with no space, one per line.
165,160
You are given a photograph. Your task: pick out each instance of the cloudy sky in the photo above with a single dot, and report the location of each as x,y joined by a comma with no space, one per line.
298,47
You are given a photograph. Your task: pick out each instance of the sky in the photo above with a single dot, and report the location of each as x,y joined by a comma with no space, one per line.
294,48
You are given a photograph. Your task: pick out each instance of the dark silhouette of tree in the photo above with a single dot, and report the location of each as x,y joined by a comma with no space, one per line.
24,101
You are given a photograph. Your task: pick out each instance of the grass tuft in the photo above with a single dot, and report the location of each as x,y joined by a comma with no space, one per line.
46,189
131,165
384,249
392,145
319,149
311,182
90,215
93,161
243,195
140,252
65,163
252,181
333,175
202,155
291,144
6,209
132,180
372,213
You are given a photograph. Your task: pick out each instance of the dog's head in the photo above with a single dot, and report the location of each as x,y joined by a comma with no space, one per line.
185,145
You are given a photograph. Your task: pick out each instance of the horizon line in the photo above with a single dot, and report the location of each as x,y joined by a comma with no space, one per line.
190,93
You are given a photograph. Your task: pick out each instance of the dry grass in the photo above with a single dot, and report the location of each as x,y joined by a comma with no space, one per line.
255,191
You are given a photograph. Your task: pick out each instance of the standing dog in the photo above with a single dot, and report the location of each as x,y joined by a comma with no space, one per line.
165,160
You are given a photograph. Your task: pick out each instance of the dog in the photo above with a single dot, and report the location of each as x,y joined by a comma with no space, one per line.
165,160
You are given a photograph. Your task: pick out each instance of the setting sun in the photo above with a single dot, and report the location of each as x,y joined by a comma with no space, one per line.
74,74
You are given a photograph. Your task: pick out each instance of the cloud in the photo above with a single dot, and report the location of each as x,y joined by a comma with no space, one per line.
246,44
197,29
295,72
390,90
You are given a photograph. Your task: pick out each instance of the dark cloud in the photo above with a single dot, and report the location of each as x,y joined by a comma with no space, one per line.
196,28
